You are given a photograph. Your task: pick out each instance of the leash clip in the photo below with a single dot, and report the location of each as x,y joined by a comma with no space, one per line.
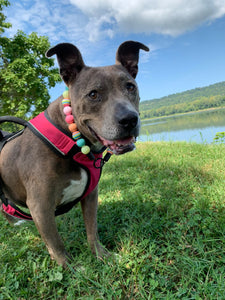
102,161
99,163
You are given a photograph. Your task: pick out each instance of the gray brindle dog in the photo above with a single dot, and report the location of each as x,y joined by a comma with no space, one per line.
104,102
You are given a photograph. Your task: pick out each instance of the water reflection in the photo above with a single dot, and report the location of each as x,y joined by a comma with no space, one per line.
196,127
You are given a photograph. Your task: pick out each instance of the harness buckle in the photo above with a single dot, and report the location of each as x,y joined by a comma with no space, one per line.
102,161
99,163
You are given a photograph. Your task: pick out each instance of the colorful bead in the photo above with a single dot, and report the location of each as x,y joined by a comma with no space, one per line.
65,94
85,149
72,127
66,102
67,110
69,119
66,88
76,135
80,143
108,155
109,151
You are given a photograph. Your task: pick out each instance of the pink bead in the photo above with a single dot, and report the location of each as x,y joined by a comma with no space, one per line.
67,110
69,119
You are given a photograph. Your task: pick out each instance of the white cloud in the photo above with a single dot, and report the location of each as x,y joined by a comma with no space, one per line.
77,21
169,17
57,19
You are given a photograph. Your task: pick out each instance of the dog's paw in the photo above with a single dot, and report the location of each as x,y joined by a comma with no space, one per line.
116,257
99,251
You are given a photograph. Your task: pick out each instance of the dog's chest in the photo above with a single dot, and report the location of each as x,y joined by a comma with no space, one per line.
75,189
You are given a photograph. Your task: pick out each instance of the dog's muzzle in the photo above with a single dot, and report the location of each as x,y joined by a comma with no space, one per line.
128,130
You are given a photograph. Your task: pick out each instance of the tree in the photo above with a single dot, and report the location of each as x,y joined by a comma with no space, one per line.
25,73
3,24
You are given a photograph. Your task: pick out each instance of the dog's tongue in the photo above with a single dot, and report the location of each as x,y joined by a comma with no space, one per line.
126,141
120,146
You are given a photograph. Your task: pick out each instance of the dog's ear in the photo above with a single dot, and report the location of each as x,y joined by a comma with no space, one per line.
128,55
69,59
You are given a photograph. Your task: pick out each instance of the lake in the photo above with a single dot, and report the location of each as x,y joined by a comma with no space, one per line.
200,127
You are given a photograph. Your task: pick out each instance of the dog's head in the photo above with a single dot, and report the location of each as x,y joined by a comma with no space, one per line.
104,100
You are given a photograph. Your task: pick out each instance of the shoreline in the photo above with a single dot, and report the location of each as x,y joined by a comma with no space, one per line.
184,113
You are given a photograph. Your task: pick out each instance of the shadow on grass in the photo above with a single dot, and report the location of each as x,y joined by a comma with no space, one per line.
147,200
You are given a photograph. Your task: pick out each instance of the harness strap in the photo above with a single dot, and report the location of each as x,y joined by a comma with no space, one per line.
13,120
2,195
6,136
8,207
53,136
14,211
11,209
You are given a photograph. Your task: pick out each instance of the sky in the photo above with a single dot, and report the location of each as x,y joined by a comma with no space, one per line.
186,37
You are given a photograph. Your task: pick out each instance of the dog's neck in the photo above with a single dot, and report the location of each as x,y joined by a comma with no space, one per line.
55,112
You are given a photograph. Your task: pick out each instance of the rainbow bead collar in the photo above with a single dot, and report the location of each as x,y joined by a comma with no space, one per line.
72,126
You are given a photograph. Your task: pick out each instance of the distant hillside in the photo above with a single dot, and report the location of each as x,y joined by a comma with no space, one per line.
192,100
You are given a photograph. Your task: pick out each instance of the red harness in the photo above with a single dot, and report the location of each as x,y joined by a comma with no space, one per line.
62,143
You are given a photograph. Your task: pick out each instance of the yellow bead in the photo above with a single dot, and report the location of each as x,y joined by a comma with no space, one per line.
85,149
66,94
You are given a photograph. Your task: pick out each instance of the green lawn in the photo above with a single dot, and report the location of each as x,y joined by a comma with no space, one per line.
162,210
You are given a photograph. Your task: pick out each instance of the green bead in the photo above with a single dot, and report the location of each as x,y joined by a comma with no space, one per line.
66,94
85,149
80,143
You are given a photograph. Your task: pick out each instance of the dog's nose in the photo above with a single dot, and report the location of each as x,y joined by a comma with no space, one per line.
129,121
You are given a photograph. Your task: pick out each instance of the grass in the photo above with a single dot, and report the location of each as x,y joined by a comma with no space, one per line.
162,209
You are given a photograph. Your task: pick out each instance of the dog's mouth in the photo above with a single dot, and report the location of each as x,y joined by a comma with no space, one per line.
119,146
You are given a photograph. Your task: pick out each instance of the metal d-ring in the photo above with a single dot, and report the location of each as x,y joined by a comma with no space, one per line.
102,162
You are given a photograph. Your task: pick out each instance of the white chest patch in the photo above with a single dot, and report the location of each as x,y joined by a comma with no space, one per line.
75,189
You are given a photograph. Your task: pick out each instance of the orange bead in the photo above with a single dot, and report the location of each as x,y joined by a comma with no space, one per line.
72,127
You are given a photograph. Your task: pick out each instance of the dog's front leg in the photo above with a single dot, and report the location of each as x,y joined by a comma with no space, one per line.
43,215
89,208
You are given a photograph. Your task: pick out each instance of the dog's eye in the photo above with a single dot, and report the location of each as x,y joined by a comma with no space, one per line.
130,87
93,95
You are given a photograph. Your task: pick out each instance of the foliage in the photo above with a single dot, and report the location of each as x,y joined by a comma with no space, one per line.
25,74
3,24
161,209
193,100
219,137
